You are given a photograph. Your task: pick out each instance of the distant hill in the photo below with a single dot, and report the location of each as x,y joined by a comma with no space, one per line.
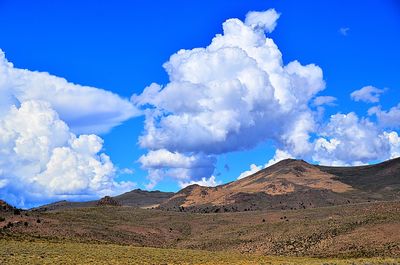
287,185
293,184
142,198
136,198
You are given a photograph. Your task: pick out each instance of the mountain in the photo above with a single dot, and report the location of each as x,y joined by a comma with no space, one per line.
293,184
143,198
135,198
287,185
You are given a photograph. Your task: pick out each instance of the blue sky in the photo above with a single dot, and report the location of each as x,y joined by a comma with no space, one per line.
121,46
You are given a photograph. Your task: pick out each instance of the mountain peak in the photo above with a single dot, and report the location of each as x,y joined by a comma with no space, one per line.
290,161
288,181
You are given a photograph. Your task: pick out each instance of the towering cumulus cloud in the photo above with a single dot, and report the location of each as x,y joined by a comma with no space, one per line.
228,96
41,159
234,94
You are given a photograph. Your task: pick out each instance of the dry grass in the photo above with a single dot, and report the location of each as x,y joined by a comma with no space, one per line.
364,230
25,252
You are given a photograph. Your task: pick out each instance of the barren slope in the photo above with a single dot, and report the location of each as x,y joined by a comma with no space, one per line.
293,184
379,182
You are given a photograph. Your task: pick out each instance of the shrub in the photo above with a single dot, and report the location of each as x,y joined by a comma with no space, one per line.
2,219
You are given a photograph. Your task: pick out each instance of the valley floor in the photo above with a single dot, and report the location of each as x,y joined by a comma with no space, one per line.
26,252
128,235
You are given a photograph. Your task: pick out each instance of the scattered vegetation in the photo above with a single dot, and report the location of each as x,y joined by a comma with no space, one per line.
14,252
350,231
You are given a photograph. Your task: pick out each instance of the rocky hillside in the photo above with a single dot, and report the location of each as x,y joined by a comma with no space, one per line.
293,184
108,201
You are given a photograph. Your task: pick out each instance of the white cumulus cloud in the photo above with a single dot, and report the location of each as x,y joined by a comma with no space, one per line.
205,182
163,163
253,169
41,160
350,140
278,156
388,119
394,141
85,109
265,20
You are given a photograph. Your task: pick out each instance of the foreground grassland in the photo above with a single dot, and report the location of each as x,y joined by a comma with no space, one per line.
349,234
25,252
348,231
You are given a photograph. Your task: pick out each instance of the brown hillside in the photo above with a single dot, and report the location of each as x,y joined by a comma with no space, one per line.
293,184
380,181
108,201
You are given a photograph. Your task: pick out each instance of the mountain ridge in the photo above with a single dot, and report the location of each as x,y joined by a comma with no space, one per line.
134,198
287,184
293,184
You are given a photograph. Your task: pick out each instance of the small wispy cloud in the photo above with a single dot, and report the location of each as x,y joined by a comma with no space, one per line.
324,100
368,94
344,31
126,171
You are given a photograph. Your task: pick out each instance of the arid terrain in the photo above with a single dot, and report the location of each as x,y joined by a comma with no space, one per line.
305,213
294,184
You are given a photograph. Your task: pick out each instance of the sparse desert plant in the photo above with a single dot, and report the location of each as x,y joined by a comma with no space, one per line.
13,252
